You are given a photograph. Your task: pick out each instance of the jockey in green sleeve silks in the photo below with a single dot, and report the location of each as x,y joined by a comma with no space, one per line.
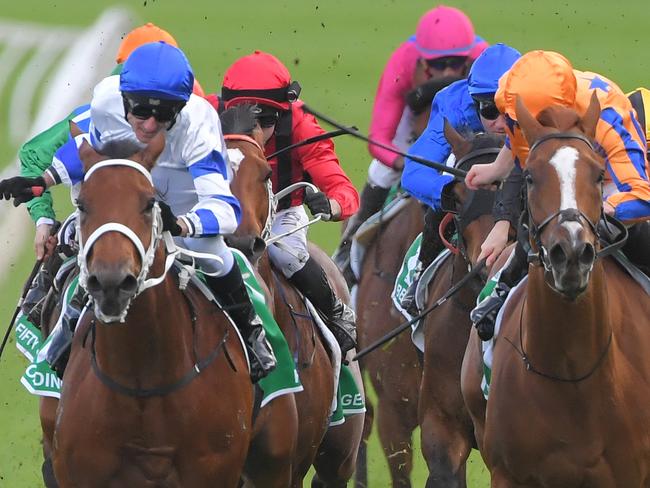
154,94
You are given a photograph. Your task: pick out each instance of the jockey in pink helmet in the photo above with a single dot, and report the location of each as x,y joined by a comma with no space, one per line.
444,45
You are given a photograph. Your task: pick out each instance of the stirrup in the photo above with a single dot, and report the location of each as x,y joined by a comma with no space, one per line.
408,301
260,354
484,316
32,305
342,325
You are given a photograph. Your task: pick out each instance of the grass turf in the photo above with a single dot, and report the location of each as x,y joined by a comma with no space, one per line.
337,50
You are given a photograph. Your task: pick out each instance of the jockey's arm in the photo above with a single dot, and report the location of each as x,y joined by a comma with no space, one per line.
322,165
486,175
627,166
424,183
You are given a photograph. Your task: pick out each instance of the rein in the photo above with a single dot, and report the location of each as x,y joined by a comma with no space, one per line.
197,368
529,365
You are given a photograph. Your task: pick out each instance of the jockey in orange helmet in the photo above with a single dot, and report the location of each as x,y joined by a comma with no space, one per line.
542,79
261,79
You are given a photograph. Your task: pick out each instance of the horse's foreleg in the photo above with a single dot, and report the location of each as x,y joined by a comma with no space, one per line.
47,412
396,421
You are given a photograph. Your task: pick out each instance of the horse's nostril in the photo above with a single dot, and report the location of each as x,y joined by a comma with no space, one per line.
93,284
129,284
557,255
587,255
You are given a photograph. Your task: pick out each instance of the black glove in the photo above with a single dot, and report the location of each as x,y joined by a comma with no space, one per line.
318,203
169,220
20,188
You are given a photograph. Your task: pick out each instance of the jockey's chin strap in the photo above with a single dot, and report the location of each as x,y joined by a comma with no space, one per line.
146,255
540,257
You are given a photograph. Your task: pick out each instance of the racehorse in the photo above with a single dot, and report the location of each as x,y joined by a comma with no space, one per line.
164,398
570,368
331,450
447,435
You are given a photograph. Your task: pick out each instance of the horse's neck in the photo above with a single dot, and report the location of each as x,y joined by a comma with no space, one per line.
567,337
154,342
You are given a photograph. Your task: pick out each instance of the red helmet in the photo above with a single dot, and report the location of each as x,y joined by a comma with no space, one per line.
259,78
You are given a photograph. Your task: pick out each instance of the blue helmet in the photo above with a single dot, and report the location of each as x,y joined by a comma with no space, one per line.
158,70
484,74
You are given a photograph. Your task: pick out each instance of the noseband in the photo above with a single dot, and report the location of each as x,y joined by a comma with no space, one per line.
540,257
146,256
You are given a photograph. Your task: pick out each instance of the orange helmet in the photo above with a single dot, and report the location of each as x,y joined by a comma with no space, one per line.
541,79
142,35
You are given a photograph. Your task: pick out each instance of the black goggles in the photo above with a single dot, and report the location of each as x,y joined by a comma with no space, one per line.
164,111
487,108
266,116
453,62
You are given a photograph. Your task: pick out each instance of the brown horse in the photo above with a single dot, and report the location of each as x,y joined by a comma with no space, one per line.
447,435
165,398
333,450
570,368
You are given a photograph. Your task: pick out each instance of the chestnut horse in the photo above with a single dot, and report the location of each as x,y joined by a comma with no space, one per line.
447,434
570,370
331,450
164,398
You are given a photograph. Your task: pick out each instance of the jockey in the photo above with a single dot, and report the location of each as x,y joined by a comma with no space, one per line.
443,46
37,153
542,79
153,94
263,80
468,105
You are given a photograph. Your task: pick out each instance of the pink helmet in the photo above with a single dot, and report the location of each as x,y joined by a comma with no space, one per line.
444,31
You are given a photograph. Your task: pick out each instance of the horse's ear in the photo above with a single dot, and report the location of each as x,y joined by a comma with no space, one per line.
74,129
590,119
149,155
88,155
531,128
459,145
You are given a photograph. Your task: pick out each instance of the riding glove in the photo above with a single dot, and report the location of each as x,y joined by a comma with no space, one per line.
169,219
20,188
318,203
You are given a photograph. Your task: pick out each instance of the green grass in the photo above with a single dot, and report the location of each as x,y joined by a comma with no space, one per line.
337,50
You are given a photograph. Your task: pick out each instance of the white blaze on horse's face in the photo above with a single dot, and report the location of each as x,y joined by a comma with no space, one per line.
564,161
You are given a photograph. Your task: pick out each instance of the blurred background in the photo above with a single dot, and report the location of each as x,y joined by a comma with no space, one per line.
52,52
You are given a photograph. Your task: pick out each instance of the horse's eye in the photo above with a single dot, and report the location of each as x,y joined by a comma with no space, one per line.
268,175
528,178
601,177
150,205
80,206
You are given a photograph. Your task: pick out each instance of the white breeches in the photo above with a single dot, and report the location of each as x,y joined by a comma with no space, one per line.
290,253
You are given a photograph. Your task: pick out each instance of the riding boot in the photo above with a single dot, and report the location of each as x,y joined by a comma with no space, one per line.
312,282
372,199
430,248
58,352
637,245
485,314
32,305
231,292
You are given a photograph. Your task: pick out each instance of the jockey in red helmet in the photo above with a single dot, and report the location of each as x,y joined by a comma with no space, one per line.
261,79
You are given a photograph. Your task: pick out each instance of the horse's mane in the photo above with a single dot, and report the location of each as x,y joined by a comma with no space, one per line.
485,140
419,98
558,117
239,119
121,149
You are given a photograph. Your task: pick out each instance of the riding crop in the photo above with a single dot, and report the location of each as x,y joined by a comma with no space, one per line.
26,287
353,131
311,140
401,328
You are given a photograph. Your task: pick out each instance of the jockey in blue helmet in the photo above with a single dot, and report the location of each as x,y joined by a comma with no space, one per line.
468,105
154,93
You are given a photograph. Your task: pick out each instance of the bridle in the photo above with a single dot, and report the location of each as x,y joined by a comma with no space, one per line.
540,256
146,255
